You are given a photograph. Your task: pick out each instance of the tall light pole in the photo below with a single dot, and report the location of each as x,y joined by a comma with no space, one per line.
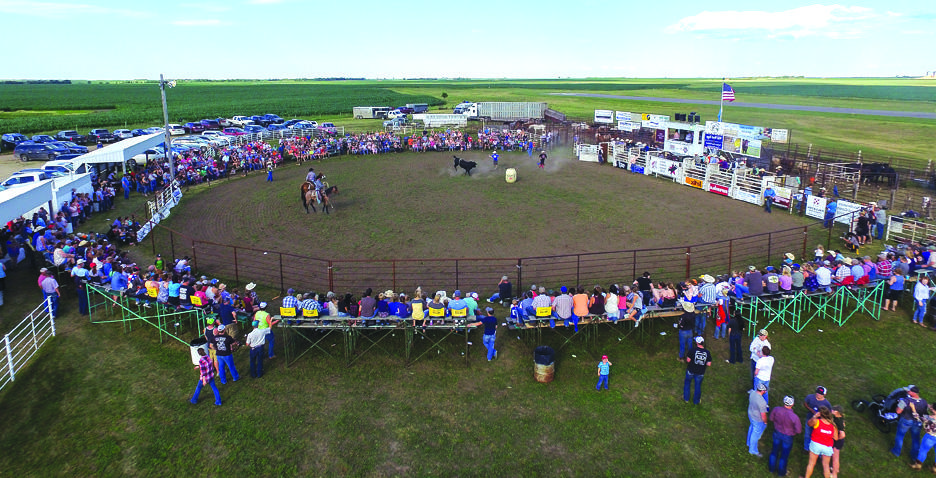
162,90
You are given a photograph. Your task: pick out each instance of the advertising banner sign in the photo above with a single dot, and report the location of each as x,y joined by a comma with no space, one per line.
815,206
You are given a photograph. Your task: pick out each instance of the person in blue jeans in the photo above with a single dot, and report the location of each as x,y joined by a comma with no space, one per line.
256,339
224,347
686,325
921,293
769,196
696,362
604,371
757,415
490,332
206,373
928,418
786,426
907,407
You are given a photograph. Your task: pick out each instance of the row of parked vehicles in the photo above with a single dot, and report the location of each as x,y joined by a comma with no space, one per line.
69,144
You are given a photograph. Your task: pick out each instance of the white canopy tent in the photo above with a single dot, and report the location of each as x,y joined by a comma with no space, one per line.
121,151
19,200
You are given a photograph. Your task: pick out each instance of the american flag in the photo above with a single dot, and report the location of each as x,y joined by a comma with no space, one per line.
727,94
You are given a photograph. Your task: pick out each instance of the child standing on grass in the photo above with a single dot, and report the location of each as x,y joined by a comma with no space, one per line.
604,369
494,157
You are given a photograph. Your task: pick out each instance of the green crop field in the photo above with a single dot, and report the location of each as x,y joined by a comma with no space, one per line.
32,108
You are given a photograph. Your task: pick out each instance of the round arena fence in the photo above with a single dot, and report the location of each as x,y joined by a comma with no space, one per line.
276,270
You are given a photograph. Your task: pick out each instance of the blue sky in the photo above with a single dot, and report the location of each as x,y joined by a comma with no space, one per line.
106,39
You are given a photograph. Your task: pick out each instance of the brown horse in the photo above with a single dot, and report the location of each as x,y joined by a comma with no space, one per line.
308,197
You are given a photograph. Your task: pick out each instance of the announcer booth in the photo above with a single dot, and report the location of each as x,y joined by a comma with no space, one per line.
122,151
684,139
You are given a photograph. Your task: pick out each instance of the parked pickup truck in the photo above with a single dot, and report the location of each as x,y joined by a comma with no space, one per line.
240,121
101,136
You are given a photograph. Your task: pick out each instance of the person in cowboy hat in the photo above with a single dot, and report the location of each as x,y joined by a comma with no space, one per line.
686,325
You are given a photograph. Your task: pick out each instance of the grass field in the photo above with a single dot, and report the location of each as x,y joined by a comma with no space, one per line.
48,108
102,401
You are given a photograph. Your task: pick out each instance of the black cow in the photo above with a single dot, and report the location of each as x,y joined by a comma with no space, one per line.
466,165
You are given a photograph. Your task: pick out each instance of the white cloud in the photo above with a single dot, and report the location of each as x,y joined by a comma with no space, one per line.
834,21
57,9
206,7
197,23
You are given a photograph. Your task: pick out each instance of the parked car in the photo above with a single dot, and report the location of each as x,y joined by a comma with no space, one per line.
71,135
238,121
405,110
224,122
273,119
176,130
61,167
138,132
254,129
25,177
393,114
155,153
42,138
101,136
328,128
259,120
276,127
59,148
291,122
305,125
234,131
122,134
10,140
193,127
210,124
67,157
215,140
28,151
154,129
72,147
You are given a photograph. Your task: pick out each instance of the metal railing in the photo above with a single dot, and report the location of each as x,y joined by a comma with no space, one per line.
281,270
21,343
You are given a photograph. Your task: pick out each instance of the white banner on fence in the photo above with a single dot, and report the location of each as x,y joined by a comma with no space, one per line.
628,126
815,207
779,135
604,116
663,167
746,196
846,212
623,116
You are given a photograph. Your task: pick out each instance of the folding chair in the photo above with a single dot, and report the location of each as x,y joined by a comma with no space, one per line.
288,314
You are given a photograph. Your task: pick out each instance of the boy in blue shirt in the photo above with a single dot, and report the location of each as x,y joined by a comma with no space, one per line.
604,369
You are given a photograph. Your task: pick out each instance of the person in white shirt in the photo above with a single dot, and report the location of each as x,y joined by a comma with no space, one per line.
762,370
921,294
757,349
256,339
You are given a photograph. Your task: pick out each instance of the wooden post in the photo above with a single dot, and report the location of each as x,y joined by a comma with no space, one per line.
688,262
282,279
236,275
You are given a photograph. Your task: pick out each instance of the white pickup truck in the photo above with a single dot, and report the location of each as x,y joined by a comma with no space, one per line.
240,121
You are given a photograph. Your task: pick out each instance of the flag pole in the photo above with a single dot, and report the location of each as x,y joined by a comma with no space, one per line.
721,105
